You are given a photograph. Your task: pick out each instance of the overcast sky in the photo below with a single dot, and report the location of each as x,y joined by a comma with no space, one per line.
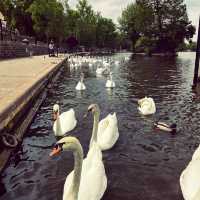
113,8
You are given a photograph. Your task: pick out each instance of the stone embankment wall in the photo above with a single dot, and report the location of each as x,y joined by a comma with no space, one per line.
12,49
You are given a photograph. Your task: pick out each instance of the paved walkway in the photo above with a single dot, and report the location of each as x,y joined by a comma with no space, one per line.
18,75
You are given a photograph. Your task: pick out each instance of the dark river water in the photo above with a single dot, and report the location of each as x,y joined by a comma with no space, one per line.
145,164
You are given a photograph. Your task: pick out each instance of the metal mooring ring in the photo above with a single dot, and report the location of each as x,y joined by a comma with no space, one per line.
9,140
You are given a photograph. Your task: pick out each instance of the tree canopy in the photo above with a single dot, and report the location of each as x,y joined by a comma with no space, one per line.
159,25
55,19
48,18
15,13
146,25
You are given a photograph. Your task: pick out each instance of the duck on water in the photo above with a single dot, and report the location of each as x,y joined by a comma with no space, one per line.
165,127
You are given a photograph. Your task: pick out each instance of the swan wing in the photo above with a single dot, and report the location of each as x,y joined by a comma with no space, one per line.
197,195
108,132
83,86
103,124
190,180
80,86
68,121
110,84
94,153
196,154
95,183
93,178
153,105
147,106
99,70
67,191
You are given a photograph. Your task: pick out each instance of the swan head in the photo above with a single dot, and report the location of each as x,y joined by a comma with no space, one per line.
173,128
55,111
66,143
55,107
94,109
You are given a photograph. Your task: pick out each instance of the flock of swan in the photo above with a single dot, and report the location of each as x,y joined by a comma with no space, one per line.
103,67
88,180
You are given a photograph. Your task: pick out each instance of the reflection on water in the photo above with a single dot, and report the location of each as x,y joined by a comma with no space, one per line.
144,164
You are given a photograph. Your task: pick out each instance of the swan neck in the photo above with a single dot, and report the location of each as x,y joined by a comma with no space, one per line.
58,126
95,127
78,160
81,78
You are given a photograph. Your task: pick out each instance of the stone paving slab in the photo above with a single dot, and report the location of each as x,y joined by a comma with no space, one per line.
18,75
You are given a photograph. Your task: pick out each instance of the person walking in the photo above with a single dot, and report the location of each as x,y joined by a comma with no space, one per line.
51,48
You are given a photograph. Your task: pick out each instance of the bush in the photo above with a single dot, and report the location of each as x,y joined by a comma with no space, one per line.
145,45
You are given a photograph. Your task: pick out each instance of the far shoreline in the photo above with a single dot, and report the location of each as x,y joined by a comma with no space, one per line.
168,54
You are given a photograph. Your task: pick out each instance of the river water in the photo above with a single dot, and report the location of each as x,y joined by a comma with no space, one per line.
145,164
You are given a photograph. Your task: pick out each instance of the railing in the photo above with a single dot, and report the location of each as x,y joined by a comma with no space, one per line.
9,34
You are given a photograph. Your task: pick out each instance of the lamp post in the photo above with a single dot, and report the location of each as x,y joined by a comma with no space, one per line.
196,69
1,30
1,26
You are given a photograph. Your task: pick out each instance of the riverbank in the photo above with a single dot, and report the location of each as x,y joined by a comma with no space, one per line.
156,54
23,83
16,49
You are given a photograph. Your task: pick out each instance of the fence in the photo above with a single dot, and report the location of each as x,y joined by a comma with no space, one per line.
9,37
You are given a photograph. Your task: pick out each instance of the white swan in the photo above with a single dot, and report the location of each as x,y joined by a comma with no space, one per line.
110,83
81,85
117,62
64,122
147,106
100,70
107,129
85,182
190,178
196,154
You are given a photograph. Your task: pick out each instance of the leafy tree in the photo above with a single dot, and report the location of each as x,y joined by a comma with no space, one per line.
172,23
192,46
145,44
86,24
105,32
15,12
72,19
163,21
65,4
136,20
48,18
